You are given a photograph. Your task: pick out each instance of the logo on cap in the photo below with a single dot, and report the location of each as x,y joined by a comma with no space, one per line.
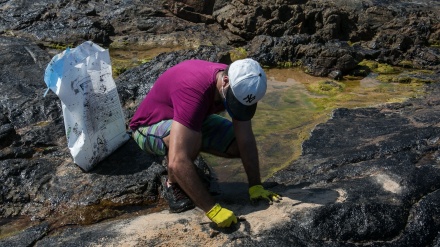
249,98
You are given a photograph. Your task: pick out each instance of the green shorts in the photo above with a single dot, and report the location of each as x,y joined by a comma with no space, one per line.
217,134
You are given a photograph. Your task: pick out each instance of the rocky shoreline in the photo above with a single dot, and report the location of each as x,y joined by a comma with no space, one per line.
367,177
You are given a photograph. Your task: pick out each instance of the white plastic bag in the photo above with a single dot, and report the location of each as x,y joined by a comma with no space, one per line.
93,117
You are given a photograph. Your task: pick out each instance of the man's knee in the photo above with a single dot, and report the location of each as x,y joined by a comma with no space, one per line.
233,150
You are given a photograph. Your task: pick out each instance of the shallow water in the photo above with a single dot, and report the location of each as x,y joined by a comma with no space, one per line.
123,59
292,107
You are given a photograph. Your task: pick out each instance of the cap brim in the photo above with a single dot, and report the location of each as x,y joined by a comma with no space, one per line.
237,110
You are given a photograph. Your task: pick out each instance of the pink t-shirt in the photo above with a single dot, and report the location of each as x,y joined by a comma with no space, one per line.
184,93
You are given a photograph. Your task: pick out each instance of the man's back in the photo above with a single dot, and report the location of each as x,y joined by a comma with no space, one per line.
184,93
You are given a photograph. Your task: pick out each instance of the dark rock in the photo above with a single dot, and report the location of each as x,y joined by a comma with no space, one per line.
193,10
321,60
424,57
389,32
273,50
7,134
27,237
385,159
25,111
335,75
317,59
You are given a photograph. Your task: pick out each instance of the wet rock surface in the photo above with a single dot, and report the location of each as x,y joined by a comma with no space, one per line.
386,160
315,32
366,177
310,33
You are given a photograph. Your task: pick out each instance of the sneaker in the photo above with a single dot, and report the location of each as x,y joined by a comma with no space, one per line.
177,199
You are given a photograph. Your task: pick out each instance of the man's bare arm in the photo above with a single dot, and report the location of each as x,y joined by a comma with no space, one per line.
248,151
249,156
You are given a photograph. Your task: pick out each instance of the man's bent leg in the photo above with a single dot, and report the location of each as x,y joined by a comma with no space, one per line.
218,137
184,146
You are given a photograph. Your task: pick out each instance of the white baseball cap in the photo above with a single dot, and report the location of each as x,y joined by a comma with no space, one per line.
247,85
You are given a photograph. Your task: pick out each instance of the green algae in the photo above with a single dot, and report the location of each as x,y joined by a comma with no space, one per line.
326,87
124,58
60,47
404,73
42,123
408,77
406,64
434,43
238,53
379,67
289,64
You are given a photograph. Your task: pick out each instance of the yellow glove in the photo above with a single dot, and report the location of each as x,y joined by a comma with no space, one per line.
257,192
221,216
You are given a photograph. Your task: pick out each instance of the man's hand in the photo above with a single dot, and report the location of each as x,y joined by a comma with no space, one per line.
257,192
221,216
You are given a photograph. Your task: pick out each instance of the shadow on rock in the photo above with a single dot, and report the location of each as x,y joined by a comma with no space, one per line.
128,159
